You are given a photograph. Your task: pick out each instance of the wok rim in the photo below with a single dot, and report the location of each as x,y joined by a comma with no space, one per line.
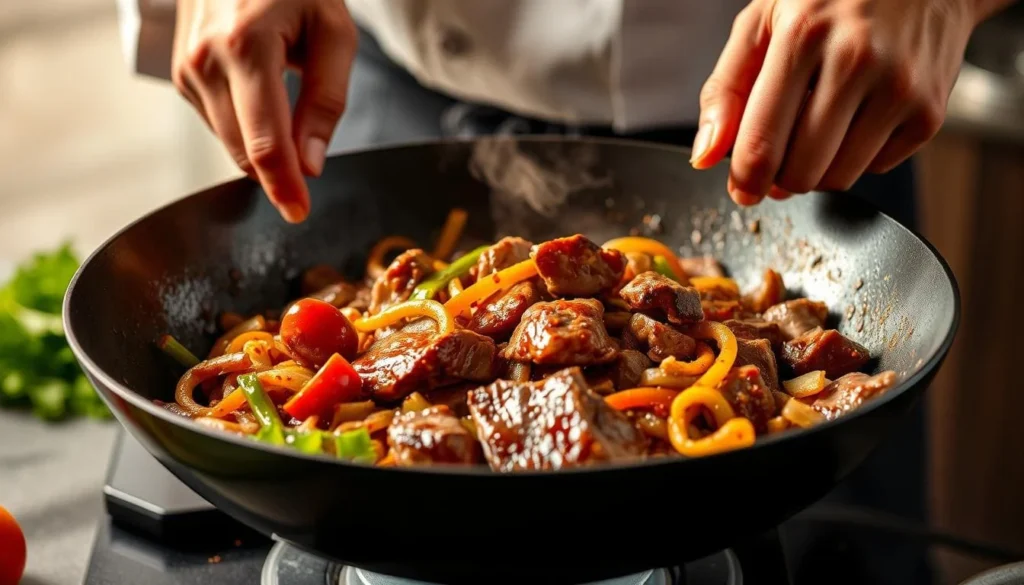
151,409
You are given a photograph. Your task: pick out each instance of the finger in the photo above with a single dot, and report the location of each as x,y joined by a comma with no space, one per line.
908,138
264,118
778,193
870,130
215,96
727,89
332,43
846,77
777,96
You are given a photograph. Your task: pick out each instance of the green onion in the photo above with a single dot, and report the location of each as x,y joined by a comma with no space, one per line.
355,445
271,427
661,266
176,350
429,288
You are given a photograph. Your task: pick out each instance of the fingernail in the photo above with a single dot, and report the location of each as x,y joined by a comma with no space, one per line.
701,143
742,197
316,152
292,212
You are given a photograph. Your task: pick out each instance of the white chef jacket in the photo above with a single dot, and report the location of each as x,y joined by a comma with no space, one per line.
629,64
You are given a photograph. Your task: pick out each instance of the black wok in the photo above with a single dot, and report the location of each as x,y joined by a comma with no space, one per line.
227,249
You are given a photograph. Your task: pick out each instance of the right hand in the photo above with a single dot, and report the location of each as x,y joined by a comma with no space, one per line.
229,60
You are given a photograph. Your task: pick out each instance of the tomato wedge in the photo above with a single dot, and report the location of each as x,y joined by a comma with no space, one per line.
12,549
336,382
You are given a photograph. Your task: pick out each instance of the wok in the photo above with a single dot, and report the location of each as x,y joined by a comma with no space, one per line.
227,249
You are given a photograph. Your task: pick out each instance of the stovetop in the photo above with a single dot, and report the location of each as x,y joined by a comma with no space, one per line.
158,532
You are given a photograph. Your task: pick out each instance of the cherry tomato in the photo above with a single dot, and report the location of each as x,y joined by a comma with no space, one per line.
314,330
336,382
12,549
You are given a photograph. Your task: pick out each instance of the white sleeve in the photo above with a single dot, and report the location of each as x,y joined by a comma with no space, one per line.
147,35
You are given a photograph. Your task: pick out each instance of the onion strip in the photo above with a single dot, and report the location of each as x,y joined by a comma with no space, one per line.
801,414
375,262
450,233
699,365
733,432
395,313
641,398
199,373
806,385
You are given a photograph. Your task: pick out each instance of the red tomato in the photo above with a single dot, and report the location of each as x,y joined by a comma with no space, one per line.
336,382
12,549
314,330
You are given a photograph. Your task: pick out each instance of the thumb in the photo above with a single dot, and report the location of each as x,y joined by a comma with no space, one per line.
330,47
724,95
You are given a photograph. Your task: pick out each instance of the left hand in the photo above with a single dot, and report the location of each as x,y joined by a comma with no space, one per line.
810,94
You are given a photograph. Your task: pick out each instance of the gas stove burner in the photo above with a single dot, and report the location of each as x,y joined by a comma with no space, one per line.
287,565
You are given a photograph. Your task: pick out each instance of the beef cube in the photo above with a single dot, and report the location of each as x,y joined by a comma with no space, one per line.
749,396
660,340
499,318
413,359
701,266
828,350
555,423
797,316
637,263
432,436
653,292
850,391
562,332
577,267
752,329
771,293
407,271
623,373
758,353
504,253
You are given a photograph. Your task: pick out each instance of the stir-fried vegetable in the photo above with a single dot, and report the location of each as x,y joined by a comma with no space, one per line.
172,347
395,313
355,445
37,368
314,330
429,288
335,382
271,427
662,267
648,246
486,286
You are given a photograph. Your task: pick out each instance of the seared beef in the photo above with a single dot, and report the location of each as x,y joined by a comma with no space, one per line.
721,310
828,350
506,252
749,396
772,292
637,263
758,352
417,360
339,294
555,423
397,283
623,373
498,318
562,332
701,266
433,435
577,267
660,340
454,397
650,291
850,391
797,317
756,329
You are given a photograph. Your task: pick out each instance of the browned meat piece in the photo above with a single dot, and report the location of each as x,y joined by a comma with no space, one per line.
498,318
396,284
701,266
797,316
454,397
418,360
623,373
758,352
828,350
506,252
771,293
850,391
429,436
756,329
637,263
721,310
659,339
749,396
562,332
555,423
651,291
577,267
339,294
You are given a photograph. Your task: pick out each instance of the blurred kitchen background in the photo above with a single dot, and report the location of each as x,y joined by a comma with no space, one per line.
85,148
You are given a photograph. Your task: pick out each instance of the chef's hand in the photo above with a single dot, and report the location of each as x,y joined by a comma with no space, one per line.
810,94
228,61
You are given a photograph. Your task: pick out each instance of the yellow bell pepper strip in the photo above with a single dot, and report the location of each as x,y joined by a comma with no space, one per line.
488,285
429,288
651,247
